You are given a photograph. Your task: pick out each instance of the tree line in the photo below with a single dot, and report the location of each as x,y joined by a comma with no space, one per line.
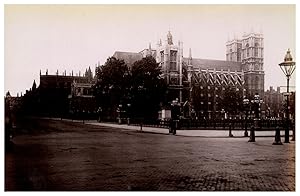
135,91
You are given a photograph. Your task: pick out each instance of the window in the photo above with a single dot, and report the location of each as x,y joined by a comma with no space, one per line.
256,50
162,55
247,50
173,66
173,80
173,55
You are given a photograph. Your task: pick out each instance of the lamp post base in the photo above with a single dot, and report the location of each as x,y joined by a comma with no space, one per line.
287,136
277,137
252,134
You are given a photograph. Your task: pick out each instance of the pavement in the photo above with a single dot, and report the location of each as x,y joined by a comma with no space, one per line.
189,133
55,155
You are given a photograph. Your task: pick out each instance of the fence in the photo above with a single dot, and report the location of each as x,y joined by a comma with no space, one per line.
236,124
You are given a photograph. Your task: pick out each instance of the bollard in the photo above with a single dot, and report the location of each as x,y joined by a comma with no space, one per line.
294,137
277,137
246,131
141,124
252,135
230,133
171,126
174,127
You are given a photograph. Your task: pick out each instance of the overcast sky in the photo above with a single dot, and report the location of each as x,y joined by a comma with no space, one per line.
65,37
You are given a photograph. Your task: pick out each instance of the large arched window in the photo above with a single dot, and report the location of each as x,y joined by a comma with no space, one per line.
256,50
247,49
257,80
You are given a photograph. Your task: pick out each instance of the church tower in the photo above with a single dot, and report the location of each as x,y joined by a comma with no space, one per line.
252,63
170,59
249,51
234,50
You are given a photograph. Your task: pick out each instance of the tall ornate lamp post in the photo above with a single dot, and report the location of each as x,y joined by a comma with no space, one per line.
287,67
246,105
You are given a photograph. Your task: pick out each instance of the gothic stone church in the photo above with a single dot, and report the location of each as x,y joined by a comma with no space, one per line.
201,83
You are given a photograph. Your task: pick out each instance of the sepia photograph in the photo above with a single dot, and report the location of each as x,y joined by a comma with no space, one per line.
149,97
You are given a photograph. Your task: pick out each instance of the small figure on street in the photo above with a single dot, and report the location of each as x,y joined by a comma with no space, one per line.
99,111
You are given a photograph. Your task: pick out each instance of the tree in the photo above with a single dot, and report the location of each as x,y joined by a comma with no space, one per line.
112,83
147,89
232,101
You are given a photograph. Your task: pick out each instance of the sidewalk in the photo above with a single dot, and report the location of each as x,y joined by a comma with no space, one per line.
190,133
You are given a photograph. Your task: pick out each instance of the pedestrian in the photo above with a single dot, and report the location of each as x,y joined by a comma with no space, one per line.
99,114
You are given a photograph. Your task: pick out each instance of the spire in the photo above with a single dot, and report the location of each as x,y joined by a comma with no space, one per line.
149,52
190,57
170,39
8,94
33,86
190,53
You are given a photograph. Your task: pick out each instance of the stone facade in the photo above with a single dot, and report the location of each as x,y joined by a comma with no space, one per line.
203,82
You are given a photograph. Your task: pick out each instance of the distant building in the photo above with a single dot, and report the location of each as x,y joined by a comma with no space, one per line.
81,98
273,102
55,92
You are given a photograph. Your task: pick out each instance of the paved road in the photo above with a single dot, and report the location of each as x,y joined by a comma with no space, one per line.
58,155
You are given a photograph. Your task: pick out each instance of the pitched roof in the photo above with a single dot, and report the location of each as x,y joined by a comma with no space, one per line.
217,64
128,57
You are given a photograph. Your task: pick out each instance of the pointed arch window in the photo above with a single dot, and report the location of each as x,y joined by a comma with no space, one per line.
256,50
247,49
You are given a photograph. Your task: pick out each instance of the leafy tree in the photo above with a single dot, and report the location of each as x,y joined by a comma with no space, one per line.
147,88
232,100
140,90
112,83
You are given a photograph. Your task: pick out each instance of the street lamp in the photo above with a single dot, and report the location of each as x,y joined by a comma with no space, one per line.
223,117
128,113
287,67
246,105
256,103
